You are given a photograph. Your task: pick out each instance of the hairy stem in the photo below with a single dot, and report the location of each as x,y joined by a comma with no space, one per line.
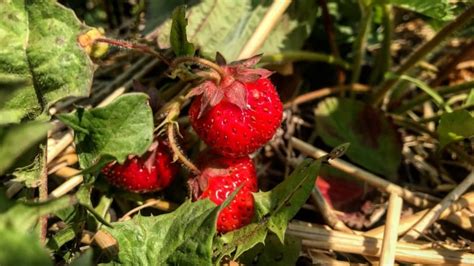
421,52
201,62
177,151
134,46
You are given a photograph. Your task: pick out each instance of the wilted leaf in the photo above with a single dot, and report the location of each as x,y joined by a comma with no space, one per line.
178,37
123,127
375,143
455,126
273,252
226,26
16,139
41,56
183,237
286,199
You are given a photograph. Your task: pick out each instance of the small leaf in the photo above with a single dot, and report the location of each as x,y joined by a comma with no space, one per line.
286,199
437,9
241,240
183,237
273,252
86,259
17,139
40,52
455,126
30,175
375,143
178,39
117,130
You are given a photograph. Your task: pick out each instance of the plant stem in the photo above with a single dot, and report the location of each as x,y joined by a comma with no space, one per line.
304,56
384,59
43,191
421,52
201,62
421,98
361,41
177,151
134,46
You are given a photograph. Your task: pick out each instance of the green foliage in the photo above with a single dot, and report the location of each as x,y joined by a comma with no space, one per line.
437,9
226,26
123,127
183,237
17,139
18,248
178,39
455,126
375,143
41,61
273,252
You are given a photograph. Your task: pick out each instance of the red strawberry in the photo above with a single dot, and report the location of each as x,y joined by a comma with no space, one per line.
151,172
238,115
220,177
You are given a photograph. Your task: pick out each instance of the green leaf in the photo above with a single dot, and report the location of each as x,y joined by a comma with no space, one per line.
117,130
241,240
455,126
178,39
437,9
375,143
273,252
30,175
22,216
17,139
86,259
274,209
183,237
20,248
40,60
226,26
285,200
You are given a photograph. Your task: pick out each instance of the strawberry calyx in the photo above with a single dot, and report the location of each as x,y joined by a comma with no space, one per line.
232,84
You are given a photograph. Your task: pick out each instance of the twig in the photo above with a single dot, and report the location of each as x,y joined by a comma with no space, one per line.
364,175
436,211
323,92
290,56
55,150
317,237
74,179
43,191
390,235
269,21
162,205
421,52
408,222
327,212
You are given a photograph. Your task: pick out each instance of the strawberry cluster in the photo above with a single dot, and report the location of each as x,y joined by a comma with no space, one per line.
234,117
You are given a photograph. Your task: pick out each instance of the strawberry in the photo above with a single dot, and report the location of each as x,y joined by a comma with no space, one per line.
153,171
240,114
220,177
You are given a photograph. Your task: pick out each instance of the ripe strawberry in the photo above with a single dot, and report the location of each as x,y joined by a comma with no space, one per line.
151,172
238,115
220,177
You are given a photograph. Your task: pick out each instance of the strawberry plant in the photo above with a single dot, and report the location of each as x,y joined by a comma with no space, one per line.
236,132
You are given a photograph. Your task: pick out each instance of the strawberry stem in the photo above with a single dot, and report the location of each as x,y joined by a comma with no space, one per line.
134,46
201,62
177,151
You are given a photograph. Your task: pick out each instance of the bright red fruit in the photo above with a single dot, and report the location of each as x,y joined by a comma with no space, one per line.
220,177
153,171
238,115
